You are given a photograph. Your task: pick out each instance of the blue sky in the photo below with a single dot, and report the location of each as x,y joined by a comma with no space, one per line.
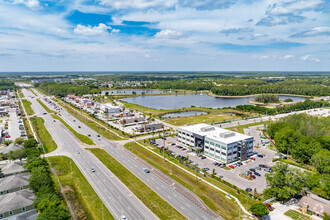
164,35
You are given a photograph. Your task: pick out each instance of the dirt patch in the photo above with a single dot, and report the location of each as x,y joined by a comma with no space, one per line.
73,202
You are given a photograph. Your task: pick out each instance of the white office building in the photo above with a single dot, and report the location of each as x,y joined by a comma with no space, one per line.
109,108
218,143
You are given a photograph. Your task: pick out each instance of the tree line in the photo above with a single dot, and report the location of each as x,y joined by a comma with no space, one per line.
48,202
267,98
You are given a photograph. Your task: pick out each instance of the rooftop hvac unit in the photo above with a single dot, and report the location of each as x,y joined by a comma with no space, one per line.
208,128
227,134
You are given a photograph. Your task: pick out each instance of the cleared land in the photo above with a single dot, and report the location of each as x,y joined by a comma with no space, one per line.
296,215
151,199
212,197
85,202
81,137
27,105
45,107
107,133
44,136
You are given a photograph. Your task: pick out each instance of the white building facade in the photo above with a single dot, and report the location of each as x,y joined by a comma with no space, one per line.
109,108
221,144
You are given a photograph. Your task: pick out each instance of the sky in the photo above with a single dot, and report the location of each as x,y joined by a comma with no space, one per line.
164,35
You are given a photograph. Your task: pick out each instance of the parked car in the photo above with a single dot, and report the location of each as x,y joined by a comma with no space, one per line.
240,163
268,169
257,174
203,157
255,152
252,158
93,170
262,165
252,176
269,207
223,165
231,166
259,155
146,170
89,135
206,169
252,169
257,168
173,144
79,127
98,135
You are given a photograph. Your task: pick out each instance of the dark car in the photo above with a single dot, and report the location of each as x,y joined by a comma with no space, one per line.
240,163
98,135
146,170
257,174
89,135
259,155
262,165
268,169
79,127
252,169
203,157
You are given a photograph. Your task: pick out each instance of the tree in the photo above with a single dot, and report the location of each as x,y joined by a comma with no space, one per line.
107,93
321,161
52,213
17,154
30,143
326,216
259,209
40,180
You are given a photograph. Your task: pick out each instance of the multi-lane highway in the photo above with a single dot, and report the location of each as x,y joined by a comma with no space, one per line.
164,186
119,200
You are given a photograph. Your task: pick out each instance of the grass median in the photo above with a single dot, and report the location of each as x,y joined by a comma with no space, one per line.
213,198
87,120
27,105
81,137
44,136
83,199
151,199
21,94
45,107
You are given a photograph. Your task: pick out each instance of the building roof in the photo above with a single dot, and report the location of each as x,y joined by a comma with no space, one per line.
16,200
11,147
216,133
14,167
14,181
316,204
109,105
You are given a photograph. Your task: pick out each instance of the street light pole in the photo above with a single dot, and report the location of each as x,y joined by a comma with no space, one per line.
164,142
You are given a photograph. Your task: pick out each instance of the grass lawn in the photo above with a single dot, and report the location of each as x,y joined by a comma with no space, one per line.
44,136
45,107
212,197
27,127
90,122
151,199
85,202
27,105
21,94
83,138
240,128
296,215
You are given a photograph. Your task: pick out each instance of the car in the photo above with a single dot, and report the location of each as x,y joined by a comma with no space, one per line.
98,135
252,176
74,120
89,135
78,152
223,165
7,136
255,152
257,168
45,113
231,166
269,207
257,174
268,169
259,155
93,170
195,164
99,139
240,163
54,120
173,144
146,170
252,158
252,169
35,116
206,169
79,127
203,157
220,176
19,121
262,165
184,149
123,217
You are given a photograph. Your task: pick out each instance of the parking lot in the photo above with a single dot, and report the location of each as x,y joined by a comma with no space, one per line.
231,175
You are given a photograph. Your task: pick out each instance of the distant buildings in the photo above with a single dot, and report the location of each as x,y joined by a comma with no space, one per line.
150,127
221,144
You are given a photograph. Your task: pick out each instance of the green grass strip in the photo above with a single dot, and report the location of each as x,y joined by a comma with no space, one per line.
81,137
44,136
151,199
296,215
21,94
85,202
45,107
87,120
27,105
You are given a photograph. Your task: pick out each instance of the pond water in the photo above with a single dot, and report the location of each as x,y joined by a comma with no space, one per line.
187,113
188,100
138,91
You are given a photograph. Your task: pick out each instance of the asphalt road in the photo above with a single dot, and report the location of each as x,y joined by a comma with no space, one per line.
116,196
166,189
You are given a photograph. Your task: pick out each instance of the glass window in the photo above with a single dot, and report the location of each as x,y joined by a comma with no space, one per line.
223,147
10,212
207,142
217,145
217,151
207,147
212,149
212,143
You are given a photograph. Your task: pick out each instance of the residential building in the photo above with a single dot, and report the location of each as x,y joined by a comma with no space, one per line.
16,202
217,143
12,168
314,204
14,183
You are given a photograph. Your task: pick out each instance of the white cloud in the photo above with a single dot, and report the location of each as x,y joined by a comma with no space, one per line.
286,57
89,30
115,31
311,58
138,4
168,34
28,3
